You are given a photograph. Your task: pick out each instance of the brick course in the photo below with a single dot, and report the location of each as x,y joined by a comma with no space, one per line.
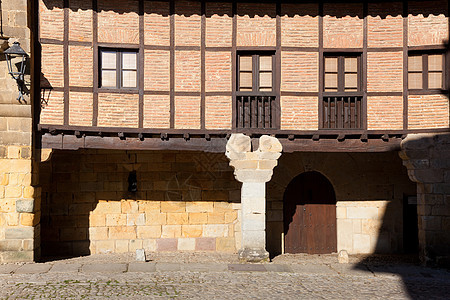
80,24
427,17
118,21
187,112
385,24
187,23
299,113
385,112
385,71
343,25
218,24
428,111
307,20
156,23
218,112
118,110
256,25
80,109
80,63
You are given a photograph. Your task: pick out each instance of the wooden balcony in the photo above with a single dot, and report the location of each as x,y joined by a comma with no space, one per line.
256,112
342,112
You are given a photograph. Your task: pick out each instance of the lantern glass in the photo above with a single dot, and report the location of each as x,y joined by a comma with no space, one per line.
11,54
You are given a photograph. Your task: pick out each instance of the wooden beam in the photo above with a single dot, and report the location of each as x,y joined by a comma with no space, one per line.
66,62
203,66
141,72
172,62
95,61
405,64
71,142
333,145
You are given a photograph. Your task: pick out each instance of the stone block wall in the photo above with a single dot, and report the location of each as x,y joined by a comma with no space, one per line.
427,158
370,226
369,188
185,201
202,62
19,200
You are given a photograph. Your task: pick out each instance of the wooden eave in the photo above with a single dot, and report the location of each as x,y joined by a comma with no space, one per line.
79,137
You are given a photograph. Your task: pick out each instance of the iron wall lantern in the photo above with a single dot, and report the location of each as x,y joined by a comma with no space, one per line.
14,52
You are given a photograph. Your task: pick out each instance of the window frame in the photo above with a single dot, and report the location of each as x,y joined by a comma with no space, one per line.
255,70
119,69
425,71
341,74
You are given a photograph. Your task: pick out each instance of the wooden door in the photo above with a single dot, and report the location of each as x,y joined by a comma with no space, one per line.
310,215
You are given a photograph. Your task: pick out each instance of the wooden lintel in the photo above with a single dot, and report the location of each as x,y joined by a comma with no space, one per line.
333,145
115,143
215,144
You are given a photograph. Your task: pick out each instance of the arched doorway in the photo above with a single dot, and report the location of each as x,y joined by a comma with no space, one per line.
310,215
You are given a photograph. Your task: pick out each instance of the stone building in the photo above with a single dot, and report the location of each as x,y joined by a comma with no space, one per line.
255,128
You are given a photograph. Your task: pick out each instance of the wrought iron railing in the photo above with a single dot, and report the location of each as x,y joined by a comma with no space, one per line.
342,112
255,111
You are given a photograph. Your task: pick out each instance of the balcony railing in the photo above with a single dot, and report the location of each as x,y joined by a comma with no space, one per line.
255,111
342,112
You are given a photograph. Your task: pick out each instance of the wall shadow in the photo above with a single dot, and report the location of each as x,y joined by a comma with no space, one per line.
264,9
74,183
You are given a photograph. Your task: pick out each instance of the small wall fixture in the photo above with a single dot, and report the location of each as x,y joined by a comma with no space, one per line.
132,182
15,51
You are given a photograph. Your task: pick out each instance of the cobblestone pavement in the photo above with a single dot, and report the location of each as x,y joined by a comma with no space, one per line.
220,276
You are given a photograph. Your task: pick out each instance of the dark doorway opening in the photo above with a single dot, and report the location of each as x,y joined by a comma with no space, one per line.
410,225
310,215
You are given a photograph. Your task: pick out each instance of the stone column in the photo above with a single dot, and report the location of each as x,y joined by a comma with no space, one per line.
427,158
253,169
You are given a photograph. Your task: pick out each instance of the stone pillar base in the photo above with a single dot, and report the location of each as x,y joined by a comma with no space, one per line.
253,255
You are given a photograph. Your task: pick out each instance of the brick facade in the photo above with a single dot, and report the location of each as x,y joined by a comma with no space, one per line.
118,23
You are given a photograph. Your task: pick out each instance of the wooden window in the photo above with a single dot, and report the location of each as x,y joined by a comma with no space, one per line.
426,71
255,72
342,73
118,69
341,103
255,92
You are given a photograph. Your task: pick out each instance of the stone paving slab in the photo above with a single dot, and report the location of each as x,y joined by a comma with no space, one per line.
277,268
164,267
247,268
65,268
33,269
202,267
352,269
7,269
142,267
313,269
105,268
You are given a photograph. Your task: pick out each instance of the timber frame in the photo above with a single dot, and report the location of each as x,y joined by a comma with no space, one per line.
73,137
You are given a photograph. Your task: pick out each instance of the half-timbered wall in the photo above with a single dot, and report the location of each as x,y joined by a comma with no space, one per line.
188,52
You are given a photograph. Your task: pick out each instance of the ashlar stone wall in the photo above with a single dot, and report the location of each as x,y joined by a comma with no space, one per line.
19,200
185,201
369,188
427,157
